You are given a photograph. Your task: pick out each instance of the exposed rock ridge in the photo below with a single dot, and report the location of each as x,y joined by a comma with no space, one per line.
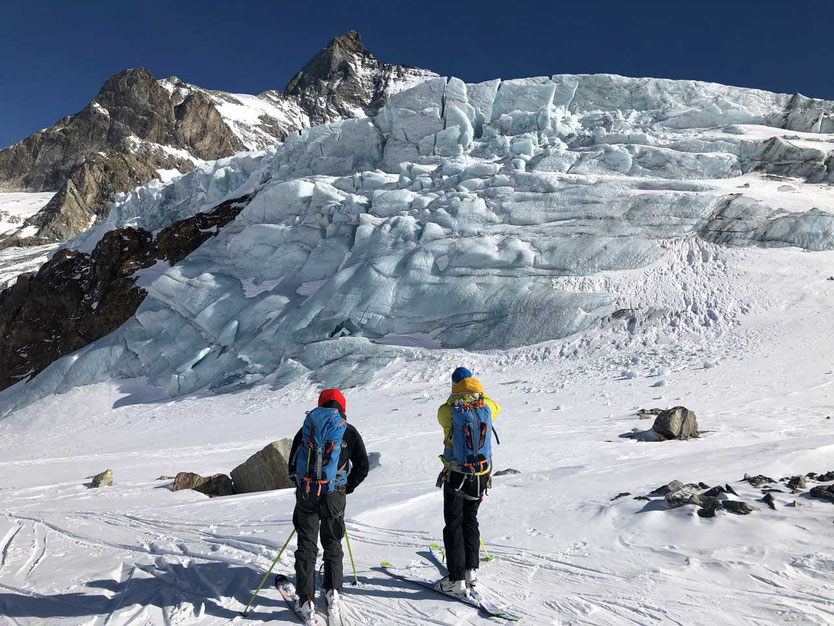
77,298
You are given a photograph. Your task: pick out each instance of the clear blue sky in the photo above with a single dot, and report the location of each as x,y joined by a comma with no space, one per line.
55,55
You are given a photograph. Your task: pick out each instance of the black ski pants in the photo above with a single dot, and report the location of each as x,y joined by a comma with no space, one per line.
316,515
461,535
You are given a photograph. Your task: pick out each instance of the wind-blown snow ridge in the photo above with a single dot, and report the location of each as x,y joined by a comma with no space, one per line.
455,214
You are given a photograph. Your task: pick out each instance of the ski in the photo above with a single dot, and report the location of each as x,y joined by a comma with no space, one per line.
472,599
438,555
287,591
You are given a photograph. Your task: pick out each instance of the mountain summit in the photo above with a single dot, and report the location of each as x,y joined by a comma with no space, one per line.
345,80
139,128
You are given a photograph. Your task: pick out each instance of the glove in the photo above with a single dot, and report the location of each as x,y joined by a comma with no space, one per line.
441,478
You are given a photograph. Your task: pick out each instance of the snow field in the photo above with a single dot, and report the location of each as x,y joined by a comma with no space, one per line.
566,553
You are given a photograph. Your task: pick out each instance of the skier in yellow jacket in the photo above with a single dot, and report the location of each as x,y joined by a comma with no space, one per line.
465,475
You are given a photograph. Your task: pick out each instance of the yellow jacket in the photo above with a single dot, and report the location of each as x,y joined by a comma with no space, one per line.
461,389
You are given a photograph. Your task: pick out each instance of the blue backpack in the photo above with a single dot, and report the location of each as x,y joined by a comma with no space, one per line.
471,449
317,459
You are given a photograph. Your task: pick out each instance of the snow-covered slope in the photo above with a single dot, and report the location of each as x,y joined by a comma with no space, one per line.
473,216
135,553
587,245
15,209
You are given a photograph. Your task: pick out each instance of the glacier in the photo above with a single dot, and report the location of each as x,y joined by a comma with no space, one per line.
453,218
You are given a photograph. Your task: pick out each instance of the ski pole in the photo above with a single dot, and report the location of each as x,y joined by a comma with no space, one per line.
258,590
350,552
488,557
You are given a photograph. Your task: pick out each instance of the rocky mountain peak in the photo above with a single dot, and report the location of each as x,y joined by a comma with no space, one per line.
130,84
138,128
345,80
348,41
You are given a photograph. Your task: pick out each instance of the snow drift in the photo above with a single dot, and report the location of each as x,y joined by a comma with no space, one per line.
452,219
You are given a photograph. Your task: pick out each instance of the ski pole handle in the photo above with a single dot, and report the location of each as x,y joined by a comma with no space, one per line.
350,552
258,590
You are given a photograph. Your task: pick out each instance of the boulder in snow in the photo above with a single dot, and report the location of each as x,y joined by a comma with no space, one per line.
373,460
105,479
688,494
797,482
825,492
714,492
265,470
737,507
676,423
759,480
507,471
709,506
675,485
212,486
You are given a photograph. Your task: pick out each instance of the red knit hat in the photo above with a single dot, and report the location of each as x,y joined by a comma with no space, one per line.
332,394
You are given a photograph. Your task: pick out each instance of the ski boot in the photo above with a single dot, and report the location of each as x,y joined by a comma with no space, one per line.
334,606
307,611
471,578
457,587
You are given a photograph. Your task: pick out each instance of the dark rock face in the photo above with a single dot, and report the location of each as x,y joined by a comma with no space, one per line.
76,298
213,486
202,129
345,79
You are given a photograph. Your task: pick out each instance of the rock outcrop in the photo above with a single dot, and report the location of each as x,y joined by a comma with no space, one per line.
76,298
345,80
265,470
